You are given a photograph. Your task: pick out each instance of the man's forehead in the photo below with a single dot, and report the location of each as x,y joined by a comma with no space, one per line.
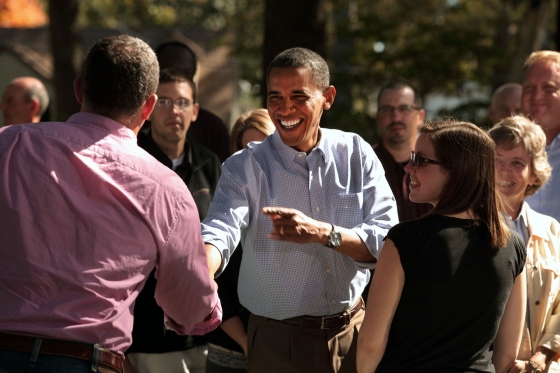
14,90
177,88
543,70
295,78
397,94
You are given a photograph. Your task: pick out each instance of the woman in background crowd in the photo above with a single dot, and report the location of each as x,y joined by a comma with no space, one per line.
443,282
227,348
523,168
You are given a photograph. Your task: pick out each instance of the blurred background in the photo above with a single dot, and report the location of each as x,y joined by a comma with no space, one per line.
455,51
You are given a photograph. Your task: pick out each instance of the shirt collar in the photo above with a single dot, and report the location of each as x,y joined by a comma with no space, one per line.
523,215
288,154
537,226
555,142
104,124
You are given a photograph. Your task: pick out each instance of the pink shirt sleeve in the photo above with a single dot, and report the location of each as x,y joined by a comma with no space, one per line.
181,264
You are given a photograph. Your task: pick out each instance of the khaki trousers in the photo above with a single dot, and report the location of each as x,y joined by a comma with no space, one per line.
276,346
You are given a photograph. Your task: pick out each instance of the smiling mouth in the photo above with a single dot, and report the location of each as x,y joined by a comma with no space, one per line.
288,124
505,183
414,183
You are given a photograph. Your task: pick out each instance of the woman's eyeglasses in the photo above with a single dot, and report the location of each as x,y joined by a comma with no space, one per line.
418,160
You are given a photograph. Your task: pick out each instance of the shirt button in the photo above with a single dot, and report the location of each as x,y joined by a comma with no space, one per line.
537,303
328,270
299,155
317,209
311,177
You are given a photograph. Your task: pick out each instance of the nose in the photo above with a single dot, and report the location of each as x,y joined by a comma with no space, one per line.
175,108
409,168
536,93
502,166
286,106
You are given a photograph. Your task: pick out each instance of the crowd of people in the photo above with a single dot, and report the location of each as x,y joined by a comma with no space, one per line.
141,236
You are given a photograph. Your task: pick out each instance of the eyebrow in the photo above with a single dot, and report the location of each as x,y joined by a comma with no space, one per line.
297,92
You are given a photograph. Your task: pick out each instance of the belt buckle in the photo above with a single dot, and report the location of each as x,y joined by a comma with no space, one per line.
323,327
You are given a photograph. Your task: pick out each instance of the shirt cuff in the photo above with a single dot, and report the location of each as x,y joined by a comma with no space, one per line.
210,323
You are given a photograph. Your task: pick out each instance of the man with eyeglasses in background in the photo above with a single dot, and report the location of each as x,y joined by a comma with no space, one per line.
153,349
399,113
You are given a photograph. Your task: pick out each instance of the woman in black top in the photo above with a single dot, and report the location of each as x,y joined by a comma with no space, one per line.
447,285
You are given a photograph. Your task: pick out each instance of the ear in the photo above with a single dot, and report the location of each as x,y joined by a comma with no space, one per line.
329,95
78,89
196,108
34,108
422,114
148,107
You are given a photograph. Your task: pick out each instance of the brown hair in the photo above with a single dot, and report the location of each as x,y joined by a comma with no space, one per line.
519,130
257,119
119,74
171,75
468,154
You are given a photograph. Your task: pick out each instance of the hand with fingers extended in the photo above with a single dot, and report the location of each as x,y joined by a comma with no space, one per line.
293,226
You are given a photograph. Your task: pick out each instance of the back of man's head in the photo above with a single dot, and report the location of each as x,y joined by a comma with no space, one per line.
506,102
301,57
118,76
37,91
177,55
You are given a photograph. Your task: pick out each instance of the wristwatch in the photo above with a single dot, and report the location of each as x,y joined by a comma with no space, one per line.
335,239
534,367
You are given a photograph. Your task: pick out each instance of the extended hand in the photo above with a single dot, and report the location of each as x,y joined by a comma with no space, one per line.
520,366
293,226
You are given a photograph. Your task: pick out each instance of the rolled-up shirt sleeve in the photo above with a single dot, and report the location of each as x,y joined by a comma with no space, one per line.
228,214
379,205
184,289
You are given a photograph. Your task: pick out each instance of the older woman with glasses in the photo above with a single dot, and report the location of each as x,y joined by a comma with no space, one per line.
449,284
522,167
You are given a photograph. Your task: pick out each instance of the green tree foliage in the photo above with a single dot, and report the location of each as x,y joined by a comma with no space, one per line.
437,44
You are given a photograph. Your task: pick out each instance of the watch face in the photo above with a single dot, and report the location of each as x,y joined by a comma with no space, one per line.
335,239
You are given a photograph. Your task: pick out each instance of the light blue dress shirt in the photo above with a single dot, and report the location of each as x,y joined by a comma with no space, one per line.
521,223
547,199
341,182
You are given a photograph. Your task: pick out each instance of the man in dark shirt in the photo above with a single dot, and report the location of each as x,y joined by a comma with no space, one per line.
207,128
168,142
399,114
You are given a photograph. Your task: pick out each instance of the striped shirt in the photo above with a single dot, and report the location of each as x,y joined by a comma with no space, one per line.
340,181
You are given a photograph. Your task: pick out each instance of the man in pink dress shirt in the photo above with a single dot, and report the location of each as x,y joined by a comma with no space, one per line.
85,216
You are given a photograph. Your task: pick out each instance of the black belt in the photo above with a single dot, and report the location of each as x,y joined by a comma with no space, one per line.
56,347
327,322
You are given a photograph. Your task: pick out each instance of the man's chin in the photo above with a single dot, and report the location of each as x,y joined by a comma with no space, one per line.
397,140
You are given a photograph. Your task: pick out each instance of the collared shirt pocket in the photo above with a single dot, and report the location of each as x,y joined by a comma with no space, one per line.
349,209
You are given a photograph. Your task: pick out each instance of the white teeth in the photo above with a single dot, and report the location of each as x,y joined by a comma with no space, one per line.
412,182
505,183
290,123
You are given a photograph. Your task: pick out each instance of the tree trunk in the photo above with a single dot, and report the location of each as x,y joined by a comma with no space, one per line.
531,35
292,23
66,46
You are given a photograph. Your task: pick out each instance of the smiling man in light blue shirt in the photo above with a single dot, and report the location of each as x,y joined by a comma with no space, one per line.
311,207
